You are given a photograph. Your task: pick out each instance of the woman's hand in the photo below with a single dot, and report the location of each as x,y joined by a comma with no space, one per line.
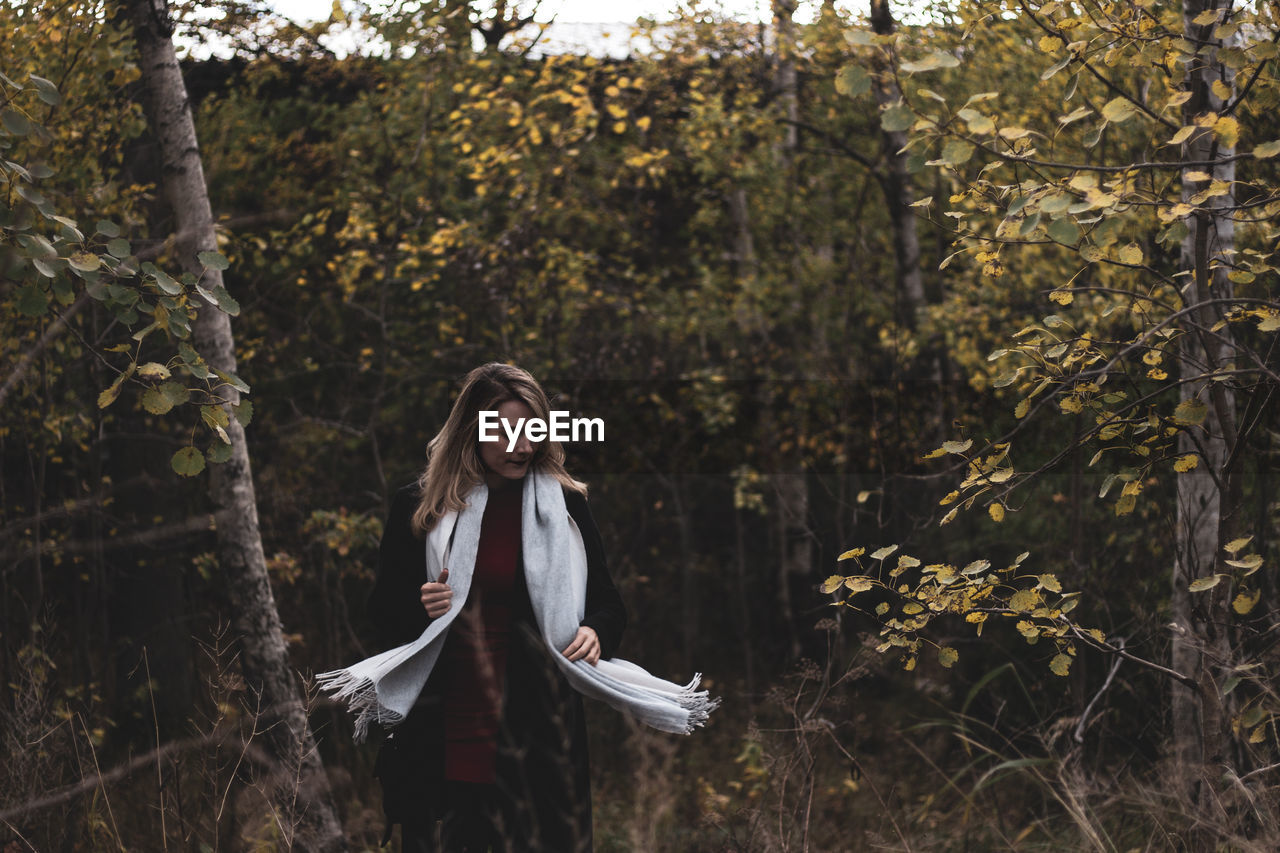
585,646
437,597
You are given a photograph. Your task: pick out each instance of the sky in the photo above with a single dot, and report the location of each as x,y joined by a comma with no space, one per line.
569,11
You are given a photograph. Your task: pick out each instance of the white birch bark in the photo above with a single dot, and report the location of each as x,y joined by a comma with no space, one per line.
300,789
1200,645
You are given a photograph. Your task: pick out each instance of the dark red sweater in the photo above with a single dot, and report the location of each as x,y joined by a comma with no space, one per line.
475,653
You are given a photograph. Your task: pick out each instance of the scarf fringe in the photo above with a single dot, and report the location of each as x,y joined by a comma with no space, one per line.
698,703
361,695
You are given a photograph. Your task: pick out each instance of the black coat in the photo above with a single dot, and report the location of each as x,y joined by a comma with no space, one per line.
542,771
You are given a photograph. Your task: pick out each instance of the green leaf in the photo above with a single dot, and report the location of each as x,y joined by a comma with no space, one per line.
32,300
188,462
156,402
947,656
853,80
214,416
1190,413
1119,109
897,117
1050,582
1060,665
1202,584
231,379
175,392
119,248
213,260
166,283
1064,231
46,91
956,152
931,62
15,122
219,452
226,302
957,447
243,412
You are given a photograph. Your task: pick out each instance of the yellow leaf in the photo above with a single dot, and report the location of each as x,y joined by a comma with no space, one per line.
1245,601
1259,734
849,555
1250,564
1185,463
858,584
1202,584
947,656
910,664
996,512
1060,665
832,583
1131,254
1024,600
1190,413
619,127
1227,130
1062,297
1024,406
1182,135
911,608
1050,582
1221,90
643,122
1236,544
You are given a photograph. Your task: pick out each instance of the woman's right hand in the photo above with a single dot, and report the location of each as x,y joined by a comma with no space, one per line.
437,597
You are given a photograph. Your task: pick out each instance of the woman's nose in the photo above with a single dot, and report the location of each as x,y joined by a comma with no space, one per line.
524,447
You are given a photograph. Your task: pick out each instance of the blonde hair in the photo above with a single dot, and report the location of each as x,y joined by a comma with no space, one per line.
453,456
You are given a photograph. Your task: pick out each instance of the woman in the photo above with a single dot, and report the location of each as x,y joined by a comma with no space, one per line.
493,591
492,690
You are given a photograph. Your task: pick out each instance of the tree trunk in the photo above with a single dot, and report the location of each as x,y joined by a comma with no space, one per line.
784,29
897,187
1200,646
300,790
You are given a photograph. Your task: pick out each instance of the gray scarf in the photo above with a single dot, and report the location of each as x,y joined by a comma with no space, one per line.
383,688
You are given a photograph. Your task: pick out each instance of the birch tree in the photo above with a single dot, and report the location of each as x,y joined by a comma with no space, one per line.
1123,211
300,789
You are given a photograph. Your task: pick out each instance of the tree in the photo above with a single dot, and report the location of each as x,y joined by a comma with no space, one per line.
308,810
1153,350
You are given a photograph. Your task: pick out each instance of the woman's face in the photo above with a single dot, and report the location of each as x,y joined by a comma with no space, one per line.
500,464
